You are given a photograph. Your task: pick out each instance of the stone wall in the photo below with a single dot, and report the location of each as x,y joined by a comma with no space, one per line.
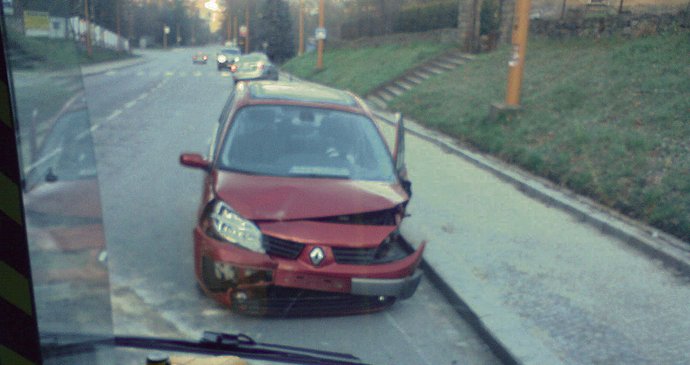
612,25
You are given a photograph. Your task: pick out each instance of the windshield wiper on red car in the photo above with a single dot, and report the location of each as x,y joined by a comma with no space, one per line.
212,343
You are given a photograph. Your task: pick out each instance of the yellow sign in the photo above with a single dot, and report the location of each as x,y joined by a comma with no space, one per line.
36,20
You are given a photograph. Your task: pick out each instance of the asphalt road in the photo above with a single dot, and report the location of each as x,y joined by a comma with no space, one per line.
143,117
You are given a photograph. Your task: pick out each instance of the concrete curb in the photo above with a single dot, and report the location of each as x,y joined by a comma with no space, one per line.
506,333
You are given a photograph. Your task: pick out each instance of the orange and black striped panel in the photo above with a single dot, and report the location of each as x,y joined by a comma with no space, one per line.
19,340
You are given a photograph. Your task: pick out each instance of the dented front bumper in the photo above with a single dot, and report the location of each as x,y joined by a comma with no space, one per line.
231,274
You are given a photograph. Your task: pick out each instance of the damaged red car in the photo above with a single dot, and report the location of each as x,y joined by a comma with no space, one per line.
301,205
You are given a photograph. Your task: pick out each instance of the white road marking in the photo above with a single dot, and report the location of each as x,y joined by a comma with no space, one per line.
169,73
143,96
114,114
197,73
130,104
407,337
140,73
111,73
94,127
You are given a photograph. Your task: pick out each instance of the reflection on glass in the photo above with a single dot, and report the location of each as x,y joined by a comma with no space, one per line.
61,194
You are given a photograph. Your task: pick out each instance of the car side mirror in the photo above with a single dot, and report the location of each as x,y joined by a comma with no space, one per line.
195,160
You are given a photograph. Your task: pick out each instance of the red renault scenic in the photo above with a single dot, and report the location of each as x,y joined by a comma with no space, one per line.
301,205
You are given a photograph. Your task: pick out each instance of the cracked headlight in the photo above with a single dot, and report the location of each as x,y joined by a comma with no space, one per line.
228,225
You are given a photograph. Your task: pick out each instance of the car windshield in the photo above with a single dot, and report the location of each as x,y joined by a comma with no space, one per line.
296,141
405,181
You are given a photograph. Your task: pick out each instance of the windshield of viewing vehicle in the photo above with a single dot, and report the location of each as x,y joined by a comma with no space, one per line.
294,141
517,191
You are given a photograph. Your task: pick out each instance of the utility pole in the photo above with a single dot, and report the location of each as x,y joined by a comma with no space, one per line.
517,61
300,50
235,28
117,25
228,26
319,59
246,22
89,50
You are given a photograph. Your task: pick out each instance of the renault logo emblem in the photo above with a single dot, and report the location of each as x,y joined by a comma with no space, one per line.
316,255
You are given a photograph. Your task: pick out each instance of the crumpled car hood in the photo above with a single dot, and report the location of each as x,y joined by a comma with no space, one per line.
270,198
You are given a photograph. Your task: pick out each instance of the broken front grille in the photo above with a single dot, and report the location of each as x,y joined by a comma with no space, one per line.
354,256
282,248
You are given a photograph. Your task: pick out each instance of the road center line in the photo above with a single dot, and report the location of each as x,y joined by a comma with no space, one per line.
114,114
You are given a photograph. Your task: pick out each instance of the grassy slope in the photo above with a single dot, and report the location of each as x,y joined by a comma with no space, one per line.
64,54
361,69
607,118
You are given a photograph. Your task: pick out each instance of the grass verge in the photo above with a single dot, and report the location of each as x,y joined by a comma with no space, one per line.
361,69
609,119
50,54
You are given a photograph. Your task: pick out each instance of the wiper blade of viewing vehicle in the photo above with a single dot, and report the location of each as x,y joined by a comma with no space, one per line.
211,343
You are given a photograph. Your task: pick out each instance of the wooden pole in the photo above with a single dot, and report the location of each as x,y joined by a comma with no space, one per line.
246,22
300,50
322,20
89,50
517,62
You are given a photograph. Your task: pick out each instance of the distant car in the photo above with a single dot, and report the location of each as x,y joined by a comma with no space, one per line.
254,66
226,57
200,57
302,202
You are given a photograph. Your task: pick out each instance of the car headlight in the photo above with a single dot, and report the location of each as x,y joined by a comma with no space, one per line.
222,59
229,226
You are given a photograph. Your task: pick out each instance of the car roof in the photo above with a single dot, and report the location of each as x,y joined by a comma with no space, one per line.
301,93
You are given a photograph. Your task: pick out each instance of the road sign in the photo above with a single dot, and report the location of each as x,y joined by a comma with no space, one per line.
320,33
243,30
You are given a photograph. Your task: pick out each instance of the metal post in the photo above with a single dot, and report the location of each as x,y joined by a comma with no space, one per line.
319,59
517,62
300,50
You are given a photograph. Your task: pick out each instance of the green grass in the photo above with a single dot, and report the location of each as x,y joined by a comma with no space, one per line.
55,54
609,119
361,69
